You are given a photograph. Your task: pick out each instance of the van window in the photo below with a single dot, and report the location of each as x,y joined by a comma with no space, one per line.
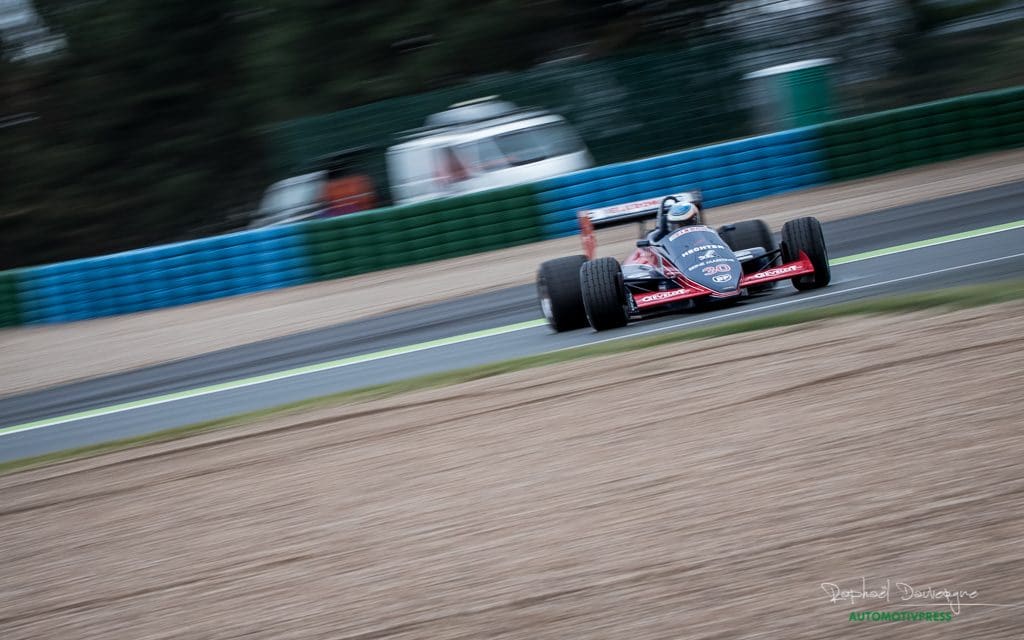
452,166
482,156
521,147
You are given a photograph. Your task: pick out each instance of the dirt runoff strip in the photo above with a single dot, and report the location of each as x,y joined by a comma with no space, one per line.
36,357
703,490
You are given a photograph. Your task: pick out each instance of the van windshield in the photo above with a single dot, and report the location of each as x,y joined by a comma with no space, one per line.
516,148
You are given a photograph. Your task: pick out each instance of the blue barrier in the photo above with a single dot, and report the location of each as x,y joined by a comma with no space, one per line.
727,172
169,275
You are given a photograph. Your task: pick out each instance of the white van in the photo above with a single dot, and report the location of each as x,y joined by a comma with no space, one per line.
482,144
292,200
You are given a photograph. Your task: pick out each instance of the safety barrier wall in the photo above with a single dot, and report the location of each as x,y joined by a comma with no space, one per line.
931,132
259,260
726,173
265,259
163,276
433,230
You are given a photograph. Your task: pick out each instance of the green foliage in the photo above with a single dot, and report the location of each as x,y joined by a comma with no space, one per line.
140,136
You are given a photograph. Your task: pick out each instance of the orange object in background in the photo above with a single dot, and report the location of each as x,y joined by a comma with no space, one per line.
350,193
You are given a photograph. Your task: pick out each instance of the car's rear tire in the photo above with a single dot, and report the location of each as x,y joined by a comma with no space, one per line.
558,291
746,235
604,294
804,234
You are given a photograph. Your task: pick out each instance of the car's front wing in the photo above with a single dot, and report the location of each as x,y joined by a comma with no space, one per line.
649,299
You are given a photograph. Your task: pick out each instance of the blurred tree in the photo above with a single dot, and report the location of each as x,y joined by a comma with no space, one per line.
938,60
146,126
142,132
310,57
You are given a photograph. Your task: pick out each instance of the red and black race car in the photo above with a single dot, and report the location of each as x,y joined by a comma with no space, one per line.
675,268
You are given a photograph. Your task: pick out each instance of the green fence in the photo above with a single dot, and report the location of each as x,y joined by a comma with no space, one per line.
932,132
416,233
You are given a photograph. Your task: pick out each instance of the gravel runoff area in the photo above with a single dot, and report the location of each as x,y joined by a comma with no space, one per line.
37,357
709,495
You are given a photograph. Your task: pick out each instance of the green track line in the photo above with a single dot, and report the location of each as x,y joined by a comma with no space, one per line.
922,244
271,377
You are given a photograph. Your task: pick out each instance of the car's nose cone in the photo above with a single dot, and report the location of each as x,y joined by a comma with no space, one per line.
719,274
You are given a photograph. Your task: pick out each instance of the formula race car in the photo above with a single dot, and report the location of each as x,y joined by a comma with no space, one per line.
677,265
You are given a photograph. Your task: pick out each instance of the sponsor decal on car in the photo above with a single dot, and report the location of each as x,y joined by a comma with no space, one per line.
701,247
725,277
777,271
663,295
629,207
649,204
704,263
685,230
718,268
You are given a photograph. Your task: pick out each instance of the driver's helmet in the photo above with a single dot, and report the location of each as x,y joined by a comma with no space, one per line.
682,213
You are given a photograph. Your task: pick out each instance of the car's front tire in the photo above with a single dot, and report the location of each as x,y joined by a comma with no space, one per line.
804,234
604,294
558,291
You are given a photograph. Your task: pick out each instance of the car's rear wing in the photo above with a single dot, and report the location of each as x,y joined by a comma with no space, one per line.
633,211
591,219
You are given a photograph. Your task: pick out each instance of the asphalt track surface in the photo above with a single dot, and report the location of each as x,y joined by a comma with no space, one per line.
490,327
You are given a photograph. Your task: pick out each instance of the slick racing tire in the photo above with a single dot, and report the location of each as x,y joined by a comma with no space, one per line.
604,294
558,291
804,234
748,234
